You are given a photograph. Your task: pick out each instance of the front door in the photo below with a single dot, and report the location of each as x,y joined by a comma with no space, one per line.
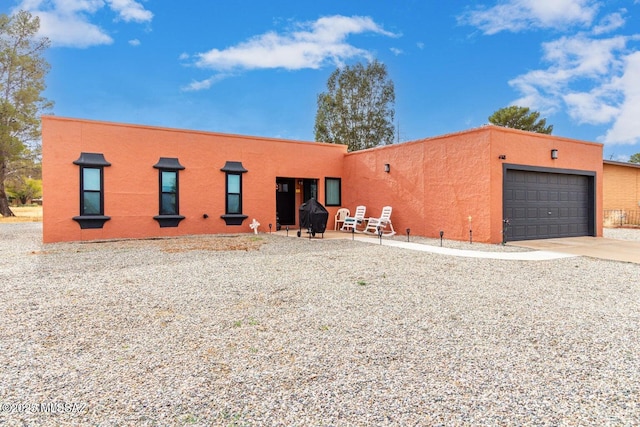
286,201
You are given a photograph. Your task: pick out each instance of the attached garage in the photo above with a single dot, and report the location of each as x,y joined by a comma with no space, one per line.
543,203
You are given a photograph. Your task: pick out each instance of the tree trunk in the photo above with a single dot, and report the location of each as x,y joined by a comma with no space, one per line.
5,210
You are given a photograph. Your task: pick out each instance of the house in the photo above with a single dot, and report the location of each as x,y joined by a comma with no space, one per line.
621,188
110,180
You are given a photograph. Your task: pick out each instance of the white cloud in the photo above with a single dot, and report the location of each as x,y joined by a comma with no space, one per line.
610,23
396,51
130,10
313,45
590,107
67,22
134,42
581,56
593,78
626,128
519,15
71,30
205,84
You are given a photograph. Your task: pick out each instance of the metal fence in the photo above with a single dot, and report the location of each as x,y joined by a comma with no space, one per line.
621,217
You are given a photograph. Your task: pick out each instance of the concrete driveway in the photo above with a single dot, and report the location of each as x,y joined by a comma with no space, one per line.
596,247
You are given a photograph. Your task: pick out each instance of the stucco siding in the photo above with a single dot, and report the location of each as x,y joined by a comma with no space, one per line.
131,182
451,183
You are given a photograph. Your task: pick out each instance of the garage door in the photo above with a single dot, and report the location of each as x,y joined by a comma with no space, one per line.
543,205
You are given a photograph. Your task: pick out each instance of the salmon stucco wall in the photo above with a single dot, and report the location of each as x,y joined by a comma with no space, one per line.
433,185
131,183
621,186
453,183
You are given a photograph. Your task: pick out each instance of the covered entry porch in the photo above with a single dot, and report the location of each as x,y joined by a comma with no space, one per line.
290,194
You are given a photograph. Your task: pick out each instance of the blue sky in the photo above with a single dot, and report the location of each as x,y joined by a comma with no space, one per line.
256,68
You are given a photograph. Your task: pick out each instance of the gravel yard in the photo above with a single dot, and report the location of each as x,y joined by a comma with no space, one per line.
288,331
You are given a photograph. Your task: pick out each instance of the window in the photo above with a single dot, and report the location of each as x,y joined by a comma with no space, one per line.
168,193
233,193
169,208
91,190
333,191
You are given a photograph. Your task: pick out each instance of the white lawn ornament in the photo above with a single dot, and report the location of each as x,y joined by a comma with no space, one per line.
254,226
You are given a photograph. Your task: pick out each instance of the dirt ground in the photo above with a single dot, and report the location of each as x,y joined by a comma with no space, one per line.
24,214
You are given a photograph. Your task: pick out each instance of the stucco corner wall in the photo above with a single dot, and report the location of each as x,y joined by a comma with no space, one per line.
434,184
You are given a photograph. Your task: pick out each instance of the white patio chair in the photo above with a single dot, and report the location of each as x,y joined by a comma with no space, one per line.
340,217
351,222
383,223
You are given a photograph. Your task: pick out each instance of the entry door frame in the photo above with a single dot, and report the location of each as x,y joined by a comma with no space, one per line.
309,189
286,200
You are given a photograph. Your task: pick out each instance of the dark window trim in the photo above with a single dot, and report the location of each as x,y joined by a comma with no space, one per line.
91,221
326,202
234,219
228,193
176,192
92,161
232,168
169,164
168,220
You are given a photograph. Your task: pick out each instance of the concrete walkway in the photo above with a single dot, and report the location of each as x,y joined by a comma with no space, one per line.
595,247
546,249
536,255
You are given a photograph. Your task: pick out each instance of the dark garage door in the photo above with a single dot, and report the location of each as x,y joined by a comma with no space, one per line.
543,205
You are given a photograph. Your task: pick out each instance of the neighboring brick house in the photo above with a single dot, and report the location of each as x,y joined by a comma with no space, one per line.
621,196
109,180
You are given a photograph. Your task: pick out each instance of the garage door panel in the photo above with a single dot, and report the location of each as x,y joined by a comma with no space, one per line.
542,204
518,230
519,213
542,230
